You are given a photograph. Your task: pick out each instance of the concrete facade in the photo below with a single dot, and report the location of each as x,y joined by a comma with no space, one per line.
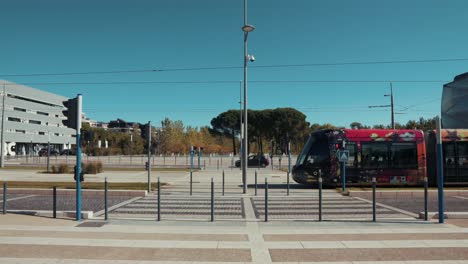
32,118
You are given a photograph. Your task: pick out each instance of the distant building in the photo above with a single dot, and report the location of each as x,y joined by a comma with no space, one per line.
92,123
455,103
102,125
31,118
120,125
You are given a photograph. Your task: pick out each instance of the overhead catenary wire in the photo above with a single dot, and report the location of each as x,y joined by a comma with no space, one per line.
158,70
225,82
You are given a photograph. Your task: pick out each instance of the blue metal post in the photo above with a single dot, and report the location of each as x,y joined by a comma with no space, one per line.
78,182
78,160
440,171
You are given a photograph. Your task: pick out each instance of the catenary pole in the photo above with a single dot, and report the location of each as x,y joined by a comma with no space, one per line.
245,149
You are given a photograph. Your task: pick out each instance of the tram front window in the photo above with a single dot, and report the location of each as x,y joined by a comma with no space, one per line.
318,153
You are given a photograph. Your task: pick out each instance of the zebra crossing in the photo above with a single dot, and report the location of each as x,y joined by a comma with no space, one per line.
182,208
334,207
175,206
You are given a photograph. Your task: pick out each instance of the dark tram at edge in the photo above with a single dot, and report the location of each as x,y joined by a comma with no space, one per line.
393,157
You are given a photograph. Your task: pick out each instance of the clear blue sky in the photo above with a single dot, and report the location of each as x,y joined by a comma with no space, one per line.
84,36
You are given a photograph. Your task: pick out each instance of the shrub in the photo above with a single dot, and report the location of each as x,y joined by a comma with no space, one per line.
60,169
93,167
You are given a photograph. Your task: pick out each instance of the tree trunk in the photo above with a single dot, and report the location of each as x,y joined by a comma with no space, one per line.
233,142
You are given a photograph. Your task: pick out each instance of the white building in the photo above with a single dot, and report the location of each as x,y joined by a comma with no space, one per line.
31,118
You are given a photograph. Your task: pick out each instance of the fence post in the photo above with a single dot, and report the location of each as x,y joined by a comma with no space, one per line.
266,199
287,184
425,198
374,183
212,200
217,164
223,182
320,196
256,183
54,200
190,183
106,205
5,187
159,200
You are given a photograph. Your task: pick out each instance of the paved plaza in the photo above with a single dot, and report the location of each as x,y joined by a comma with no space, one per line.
238,234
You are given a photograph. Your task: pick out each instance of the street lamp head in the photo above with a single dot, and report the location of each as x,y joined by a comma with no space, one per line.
248,28
250,58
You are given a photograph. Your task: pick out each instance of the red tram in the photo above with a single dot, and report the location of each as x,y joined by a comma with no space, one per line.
394,157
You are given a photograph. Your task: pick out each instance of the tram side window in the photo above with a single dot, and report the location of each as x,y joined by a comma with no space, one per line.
351,147
374,155
463,154
404,155
449,154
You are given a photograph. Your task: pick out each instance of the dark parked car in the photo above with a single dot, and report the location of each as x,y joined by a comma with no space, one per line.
68,152
255,161
43,152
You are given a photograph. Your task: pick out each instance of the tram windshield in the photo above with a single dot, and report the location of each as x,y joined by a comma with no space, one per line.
315,151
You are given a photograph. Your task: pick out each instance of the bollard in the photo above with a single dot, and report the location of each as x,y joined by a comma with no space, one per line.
54,202
212,200
425,198
5,187
217,164
159,200
374,183
106,205
223,182
320,197
256,183
287,184
204,164
190,183
266,200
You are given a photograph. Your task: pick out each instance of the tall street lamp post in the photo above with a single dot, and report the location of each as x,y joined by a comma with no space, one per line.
247,29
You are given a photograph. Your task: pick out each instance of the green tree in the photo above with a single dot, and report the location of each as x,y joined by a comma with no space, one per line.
227,124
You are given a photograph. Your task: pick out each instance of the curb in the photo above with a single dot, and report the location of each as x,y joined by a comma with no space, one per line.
447,215
61,214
